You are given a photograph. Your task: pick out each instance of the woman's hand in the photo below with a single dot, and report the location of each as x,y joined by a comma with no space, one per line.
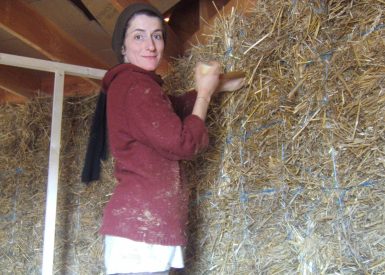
206,83
207,79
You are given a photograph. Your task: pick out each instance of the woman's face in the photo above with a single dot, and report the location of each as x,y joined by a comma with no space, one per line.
143,43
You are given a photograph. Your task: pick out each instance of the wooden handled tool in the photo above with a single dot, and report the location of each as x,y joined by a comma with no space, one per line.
232,75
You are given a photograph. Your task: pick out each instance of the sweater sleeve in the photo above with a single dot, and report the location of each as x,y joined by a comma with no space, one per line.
184,104
152,121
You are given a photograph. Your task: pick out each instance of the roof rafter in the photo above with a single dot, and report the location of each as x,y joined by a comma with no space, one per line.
44,36
163,6
21,80
41,34
7,97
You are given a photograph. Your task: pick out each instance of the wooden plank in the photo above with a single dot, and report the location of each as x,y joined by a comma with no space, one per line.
38,32
205,11
10,98
71,19
105,13
164,5
50,66
19,82
121,4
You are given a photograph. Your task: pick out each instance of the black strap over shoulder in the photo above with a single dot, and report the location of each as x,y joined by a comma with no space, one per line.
97,142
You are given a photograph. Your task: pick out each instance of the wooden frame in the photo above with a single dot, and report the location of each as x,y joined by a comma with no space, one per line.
60,70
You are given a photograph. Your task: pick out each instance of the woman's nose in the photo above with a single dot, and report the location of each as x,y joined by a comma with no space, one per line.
150,44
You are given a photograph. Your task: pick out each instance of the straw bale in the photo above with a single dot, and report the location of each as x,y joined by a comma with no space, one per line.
293,181
24,162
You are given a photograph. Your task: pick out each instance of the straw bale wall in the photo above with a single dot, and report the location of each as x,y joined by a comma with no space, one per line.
293,180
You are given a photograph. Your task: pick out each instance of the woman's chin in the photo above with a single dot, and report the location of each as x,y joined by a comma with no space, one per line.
149,66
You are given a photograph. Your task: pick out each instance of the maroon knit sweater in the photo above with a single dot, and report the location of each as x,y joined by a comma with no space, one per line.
149,133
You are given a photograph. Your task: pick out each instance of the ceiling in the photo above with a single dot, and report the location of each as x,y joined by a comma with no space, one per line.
79,32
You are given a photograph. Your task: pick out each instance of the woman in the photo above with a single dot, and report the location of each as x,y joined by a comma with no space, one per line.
144,221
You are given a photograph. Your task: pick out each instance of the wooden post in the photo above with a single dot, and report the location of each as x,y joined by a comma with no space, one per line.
53,175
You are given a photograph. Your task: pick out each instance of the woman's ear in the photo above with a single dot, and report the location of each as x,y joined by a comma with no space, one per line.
123,52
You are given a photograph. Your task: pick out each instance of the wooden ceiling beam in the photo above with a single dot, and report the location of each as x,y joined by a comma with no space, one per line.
204,11
105,12
164,5
7,97
23,22
36,31
21,82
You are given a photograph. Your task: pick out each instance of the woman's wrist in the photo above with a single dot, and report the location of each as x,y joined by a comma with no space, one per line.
204,98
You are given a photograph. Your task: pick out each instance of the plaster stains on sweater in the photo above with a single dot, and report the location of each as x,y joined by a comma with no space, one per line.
147,218
174,187
119,211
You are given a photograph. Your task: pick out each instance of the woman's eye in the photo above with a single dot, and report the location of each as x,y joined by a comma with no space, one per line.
158,36
138,37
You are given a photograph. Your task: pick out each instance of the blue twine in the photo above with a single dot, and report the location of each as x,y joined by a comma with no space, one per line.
376,28
269,191
341,199
224,177
335,175
229,51
8,218
325,101
244,197
229,139
327,56
19,170
367,183
301,189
